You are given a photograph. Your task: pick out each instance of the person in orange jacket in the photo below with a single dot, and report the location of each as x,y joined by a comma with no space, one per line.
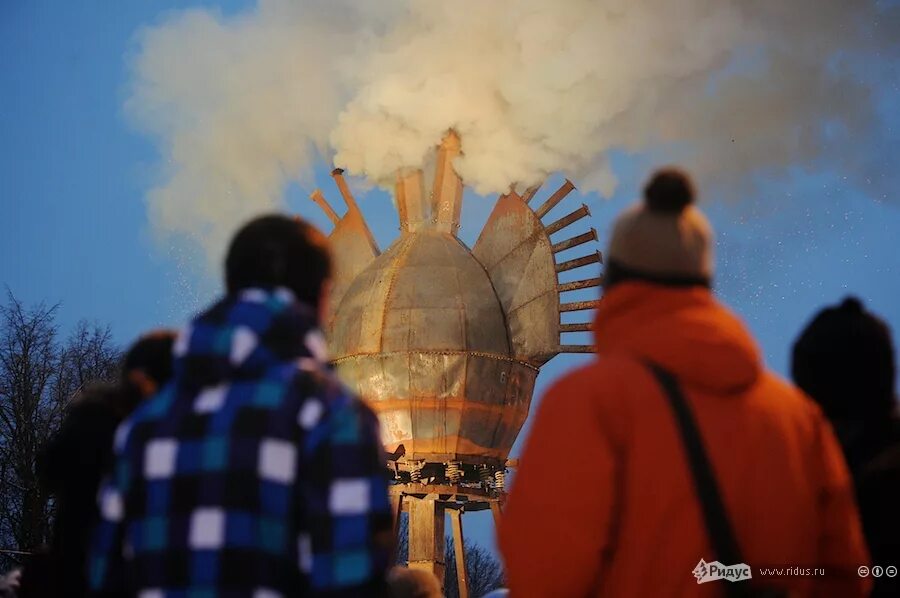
604,502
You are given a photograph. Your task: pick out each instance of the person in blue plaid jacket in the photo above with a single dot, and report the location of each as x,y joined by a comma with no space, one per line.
254,473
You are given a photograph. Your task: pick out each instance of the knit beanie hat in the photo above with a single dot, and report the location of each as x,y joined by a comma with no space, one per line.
844,360
664,237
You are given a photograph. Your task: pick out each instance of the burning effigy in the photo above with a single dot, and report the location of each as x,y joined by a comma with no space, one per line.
446,342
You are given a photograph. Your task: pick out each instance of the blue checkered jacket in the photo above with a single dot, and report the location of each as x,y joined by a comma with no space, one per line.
254,474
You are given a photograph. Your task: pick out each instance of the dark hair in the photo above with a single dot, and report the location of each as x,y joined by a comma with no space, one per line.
669,190
277,251
151,354
844,360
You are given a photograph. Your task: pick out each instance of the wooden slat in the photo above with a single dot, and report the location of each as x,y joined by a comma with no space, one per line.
568,219
558,196
576,349
576,285
581,239
579,305
593,258
581,327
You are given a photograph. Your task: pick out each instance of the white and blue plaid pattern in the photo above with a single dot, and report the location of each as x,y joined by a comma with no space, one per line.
253,474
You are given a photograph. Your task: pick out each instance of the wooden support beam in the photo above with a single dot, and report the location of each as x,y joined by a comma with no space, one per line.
581,239
426,537
459,549
497,512
396,510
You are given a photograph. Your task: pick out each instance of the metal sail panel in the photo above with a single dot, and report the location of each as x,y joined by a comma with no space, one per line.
353,249
517,254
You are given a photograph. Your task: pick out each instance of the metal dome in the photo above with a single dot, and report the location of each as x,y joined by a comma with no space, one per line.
422,335
425,293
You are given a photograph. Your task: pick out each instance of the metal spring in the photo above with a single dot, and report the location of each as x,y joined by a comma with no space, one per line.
500,480
415,473
454,474
486,476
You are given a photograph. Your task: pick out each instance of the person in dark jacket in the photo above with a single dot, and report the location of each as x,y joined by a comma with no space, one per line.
79,455
255,473
844,359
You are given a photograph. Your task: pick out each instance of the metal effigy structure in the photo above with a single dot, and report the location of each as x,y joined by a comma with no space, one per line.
445,343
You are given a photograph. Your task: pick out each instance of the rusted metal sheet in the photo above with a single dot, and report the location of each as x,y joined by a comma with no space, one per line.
444,406
446,193
409,193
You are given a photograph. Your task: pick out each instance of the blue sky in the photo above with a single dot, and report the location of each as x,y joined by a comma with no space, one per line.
73,225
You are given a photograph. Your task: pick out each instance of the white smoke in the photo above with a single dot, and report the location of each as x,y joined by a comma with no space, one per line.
243,105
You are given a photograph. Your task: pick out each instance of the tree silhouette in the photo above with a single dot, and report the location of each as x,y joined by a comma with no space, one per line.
483,570
38,377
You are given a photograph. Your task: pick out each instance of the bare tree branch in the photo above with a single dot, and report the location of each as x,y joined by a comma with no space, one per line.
39,375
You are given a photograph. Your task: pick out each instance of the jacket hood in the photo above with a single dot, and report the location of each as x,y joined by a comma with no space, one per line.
244,336
684,330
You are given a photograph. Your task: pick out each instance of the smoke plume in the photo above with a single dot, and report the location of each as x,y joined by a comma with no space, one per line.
242,105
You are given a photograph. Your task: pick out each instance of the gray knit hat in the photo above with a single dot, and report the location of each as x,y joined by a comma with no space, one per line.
664,235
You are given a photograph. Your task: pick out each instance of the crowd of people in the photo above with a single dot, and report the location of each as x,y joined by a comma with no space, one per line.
230,462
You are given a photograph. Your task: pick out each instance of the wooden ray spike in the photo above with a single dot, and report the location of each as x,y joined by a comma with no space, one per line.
581,239
579,327
568,219
320,200
579,305
576,349
579,284
558,196
338,175
530,192
593,258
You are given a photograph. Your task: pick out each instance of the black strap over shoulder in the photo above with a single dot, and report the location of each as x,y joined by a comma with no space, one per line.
715,516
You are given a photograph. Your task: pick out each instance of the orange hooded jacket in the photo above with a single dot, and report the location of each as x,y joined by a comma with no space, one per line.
603,503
